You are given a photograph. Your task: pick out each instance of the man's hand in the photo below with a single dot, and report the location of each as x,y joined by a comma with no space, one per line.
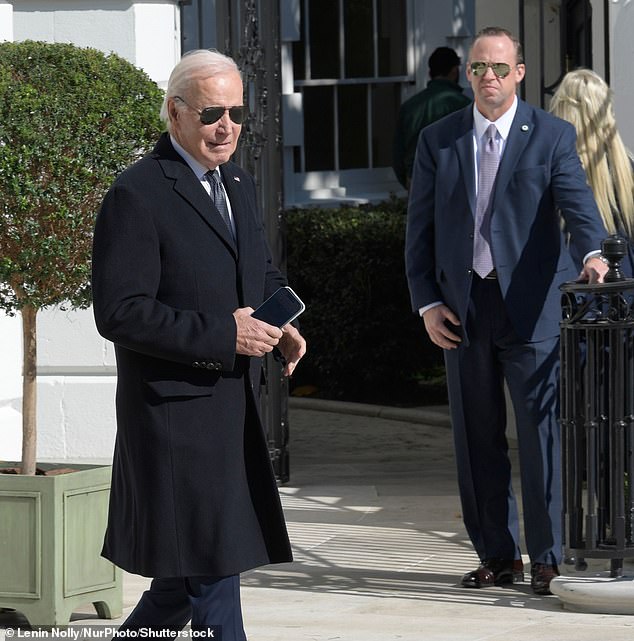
254,337
293,347
594,269
435,324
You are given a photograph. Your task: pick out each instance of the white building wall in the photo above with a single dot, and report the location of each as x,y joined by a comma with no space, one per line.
621,67
76,367
10,387
6,21
157,38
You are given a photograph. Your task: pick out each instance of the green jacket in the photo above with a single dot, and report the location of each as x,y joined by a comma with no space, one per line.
439,98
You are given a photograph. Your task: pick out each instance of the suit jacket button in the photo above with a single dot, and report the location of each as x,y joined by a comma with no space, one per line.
195,364
210,365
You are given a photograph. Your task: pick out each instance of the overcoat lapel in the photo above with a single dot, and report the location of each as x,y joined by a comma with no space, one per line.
187,186
235,192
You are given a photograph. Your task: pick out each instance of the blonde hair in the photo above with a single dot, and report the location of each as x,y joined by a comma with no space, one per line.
584,99
195,65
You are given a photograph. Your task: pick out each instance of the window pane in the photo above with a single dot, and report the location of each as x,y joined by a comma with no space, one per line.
324,38
359,47
353,126
392,37
297,160
385,103
299,50
319,128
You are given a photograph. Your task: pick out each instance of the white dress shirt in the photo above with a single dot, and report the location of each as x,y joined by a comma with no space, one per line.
200,171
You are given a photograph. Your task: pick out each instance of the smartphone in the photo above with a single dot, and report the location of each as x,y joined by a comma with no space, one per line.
279,309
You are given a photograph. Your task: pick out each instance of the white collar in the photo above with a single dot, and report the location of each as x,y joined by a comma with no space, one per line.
196,167
502,124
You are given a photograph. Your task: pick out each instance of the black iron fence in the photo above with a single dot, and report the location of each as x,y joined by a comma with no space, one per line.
597,416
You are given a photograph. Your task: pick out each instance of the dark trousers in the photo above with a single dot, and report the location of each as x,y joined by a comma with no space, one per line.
475,377
209,602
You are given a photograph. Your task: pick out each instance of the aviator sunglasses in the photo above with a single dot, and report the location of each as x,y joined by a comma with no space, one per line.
209,115
500,69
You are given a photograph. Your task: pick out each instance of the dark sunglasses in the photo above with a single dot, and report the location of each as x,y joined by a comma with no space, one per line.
209,115
500,69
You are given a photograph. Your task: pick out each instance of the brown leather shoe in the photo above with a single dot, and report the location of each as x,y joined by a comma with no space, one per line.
494,572
541,576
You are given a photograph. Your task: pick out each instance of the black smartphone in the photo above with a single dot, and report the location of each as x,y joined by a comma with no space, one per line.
279,309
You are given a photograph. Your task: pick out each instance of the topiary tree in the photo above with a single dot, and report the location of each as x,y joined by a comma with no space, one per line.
70,120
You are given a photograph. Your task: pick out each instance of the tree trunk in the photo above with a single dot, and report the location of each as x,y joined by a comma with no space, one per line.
29,390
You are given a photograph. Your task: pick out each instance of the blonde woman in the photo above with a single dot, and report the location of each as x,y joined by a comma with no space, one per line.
584,99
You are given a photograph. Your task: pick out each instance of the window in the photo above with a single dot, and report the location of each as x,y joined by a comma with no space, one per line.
349,65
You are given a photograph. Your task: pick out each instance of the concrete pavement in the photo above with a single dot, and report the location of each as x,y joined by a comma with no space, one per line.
374,518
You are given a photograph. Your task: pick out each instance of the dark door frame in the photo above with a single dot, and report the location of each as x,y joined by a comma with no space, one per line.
575,40
248,31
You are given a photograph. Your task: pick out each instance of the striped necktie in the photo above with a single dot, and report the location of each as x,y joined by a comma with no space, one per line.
218,196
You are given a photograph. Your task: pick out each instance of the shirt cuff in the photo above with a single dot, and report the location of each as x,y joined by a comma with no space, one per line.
422,310
593,254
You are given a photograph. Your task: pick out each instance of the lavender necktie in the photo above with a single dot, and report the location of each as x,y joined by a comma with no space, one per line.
489,161
218,196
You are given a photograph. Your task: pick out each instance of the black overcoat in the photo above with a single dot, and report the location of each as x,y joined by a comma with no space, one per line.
193,491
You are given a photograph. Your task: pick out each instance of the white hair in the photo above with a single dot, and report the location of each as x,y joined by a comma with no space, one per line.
195,65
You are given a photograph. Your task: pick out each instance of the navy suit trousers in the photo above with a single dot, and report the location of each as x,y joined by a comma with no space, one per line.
211,603
475,375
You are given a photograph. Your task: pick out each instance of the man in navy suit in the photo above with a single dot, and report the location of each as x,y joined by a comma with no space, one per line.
180,261
494,185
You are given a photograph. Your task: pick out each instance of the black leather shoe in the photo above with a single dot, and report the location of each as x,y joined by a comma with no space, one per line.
541,576
494,572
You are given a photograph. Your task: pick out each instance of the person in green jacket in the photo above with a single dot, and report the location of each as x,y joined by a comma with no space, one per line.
442,96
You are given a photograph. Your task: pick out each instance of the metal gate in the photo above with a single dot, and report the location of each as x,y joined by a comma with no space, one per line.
597,417
248,31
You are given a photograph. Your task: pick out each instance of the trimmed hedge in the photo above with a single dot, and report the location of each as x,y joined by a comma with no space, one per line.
364,341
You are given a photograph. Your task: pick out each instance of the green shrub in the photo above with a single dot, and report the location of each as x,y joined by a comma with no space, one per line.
365,343
70,120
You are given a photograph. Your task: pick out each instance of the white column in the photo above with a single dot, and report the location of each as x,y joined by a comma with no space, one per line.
6,21
154,23
621,68
10,387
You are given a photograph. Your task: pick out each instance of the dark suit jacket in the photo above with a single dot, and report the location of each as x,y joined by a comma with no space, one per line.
193,492
539,174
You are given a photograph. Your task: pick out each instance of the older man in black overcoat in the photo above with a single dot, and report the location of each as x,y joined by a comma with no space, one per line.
176,275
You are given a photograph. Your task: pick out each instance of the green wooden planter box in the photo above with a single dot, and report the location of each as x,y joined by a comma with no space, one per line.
51,533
